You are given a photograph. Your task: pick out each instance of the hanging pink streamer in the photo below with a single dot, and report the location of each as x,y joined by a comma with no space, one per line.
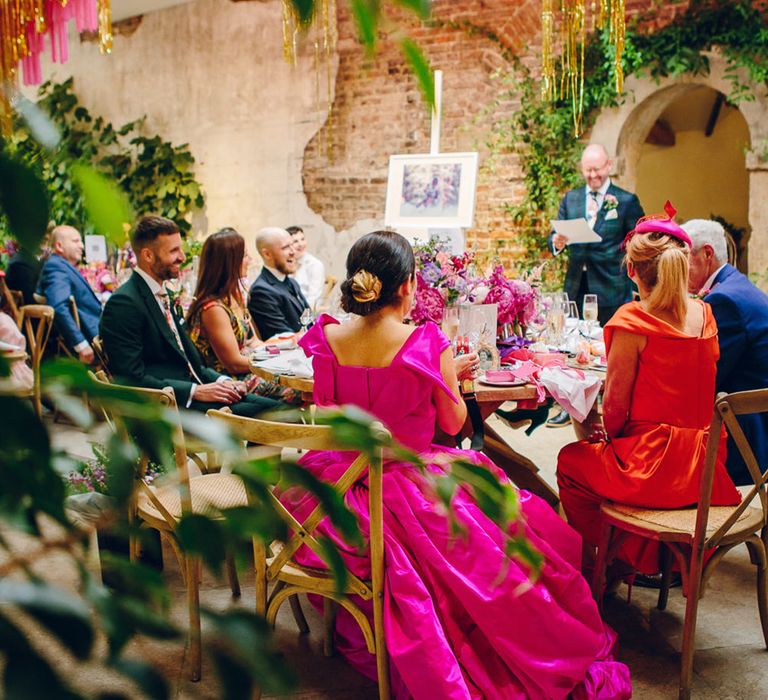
85,14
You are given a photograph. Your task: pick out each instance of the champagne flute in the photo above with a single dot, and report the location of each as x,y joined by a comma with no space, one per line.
306,318
590,311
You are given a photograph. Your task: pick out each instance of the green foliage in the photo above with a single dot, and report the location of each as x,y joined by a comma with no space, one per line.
542,132
152,174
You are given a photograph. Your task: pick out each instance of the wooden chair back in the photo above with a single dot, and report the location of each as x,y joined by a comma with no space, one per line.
323,301
728,407
11,301
36,324
282,567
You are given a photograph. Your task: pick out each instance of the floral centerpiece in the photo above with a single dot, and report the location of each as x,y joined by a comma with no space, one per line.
443,279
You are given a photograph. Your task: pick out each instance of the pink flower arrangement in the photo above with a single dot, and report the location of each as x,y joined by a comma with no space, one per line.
444,279
610,202
101,279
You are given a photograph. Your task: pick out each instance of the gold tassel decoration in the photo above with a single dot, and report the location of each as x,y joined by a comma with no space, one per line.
22,26
573,23
105,26
324,43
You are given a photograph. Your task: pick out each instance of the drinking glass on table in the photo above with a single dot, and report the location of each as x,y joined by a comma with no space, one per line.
306,318
556,319
590,311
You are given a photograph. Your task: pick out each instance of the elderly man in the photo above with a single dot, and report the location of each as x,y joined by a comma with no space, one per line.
144,336
595,268
275,301
60,280
741,312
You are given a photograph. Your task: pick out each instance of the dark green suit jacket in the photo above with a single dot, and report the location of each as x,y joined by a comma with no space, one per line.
140,347
606,276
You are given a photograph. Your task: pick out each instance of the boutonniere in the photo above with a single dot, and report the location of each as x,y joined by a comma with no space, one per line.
610,202
703,292
174,299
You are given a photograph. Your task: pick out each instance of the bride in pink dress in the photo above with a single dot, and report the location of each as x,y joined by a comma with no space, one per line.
460,619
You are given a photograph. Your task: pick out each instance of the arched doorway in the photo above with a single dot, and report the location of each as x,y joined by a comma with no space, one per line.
625,130
695,155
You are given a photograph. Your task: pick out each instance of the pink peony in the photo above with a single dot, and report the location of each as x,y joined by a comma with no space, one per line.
429,305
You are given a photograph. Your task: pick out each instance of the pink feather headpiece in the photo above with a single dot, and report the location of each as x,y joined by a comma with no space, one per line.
659,224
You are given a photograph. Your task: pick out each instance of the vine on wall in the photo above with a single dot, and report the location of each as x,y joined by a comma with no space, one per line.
157,176
542,132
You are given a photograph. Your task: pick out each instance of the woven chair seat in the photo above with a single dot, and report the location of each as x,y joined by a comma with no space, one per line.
682,521
210,493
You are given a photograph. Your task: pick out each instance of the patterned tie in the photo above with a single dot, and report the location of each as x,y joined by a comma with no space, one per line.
592,207
163,296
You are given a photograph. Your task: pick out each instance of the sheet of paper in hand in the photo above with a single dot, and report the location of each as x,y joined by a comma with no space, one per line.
575,230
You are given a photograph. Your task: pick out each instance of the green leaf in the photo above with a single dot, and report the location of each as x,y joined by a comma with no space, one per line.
366,14
420,67
305,10
333,558
29,675
421,7
108,208
152,683
24,200
61,613
330,501
200,535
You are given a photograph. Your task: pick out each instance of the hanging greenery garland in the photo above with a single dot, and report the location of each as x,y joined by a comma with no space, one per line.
541,132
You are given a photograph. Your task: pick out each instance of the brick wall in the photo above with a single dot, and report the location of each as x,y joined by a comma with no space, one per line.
378,111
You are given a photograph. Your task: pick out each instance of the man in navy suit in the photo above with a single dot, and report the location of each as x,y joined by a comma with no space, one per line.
595,268
60,280
741,312
275,301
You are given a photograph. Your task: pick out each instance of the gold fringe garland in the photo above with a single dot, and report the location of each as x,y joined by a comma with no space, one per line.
17,18
573,22
324,43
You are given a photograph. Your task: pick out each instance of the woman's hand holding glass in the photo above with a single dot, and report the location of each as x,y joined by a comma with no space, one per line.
466,366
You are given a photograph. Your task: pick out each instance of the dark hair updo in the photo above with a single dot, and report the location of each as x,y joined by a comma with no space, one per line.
377,264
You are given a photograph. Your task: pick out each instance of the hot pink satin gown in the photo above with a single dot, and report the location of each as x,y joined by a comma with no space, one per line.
460,621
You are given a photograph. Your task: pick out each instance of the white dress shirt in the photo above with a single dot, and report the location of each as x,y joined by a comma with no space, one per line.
311,278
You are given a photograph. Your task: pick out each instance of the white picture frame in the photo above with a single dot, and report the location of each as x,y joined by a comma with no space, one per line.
431,191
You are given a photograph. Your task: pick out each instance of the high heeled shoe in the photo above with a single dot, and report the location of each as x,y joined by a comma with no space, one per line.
519,417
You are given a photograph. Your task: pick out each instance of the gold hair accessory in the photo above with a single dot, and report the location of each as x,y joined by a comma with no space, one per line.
366,287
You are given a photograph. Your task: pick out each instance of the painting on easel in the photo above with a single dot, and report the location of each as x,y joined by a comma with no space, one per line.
431,191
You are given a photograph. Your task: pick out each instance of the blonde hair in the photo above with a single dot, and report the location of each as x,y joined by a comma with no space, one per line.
366,287
661,264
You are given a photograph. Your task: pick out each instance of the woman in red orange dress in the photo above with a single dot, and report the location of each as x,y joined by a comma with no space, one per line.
659,397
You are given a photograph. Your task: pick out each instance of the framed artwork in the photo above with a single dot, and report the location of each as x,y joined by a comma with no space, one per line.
426,191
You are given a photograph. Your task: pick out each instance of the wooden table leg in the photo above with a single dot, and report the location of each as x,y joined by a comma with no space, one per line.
521,470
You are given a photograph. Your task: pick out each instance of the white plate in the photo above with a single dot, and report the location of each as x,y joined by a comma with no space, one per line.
514,382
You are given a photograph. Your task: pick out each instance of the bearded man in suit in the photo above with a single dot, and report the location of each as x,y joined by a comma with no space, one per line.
741,312
145,337
275,301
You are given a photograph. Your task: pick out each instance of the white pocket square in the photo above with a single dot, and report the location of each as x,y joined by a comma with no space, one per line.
612,214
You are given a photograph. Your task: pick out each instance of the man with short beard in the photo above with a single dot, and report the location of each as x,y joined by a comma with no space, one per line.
144,337
275,301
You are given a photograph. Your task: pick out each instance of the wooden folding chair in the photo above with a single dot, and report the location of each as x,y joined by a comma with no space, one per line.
11,298
36,323
162,507
279,566
690,533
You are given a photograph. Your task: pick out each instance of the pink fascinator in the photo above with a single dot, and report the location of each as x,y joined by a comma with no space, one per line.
659,224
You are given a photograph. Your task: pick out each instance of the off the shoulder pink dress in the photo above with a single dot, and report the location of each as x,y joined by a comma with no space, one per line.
460,620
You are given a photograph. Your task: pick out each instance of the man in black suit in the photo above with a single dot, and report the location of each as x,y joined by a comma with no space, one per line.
22,274
144,336
275,301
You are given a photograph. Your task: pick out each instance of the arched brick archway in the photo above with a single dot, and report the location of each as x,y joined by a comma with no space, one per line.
623,130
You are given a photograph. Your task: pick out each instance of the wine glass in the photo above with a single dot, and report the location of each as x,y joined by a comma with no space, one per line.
589,311
306,318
